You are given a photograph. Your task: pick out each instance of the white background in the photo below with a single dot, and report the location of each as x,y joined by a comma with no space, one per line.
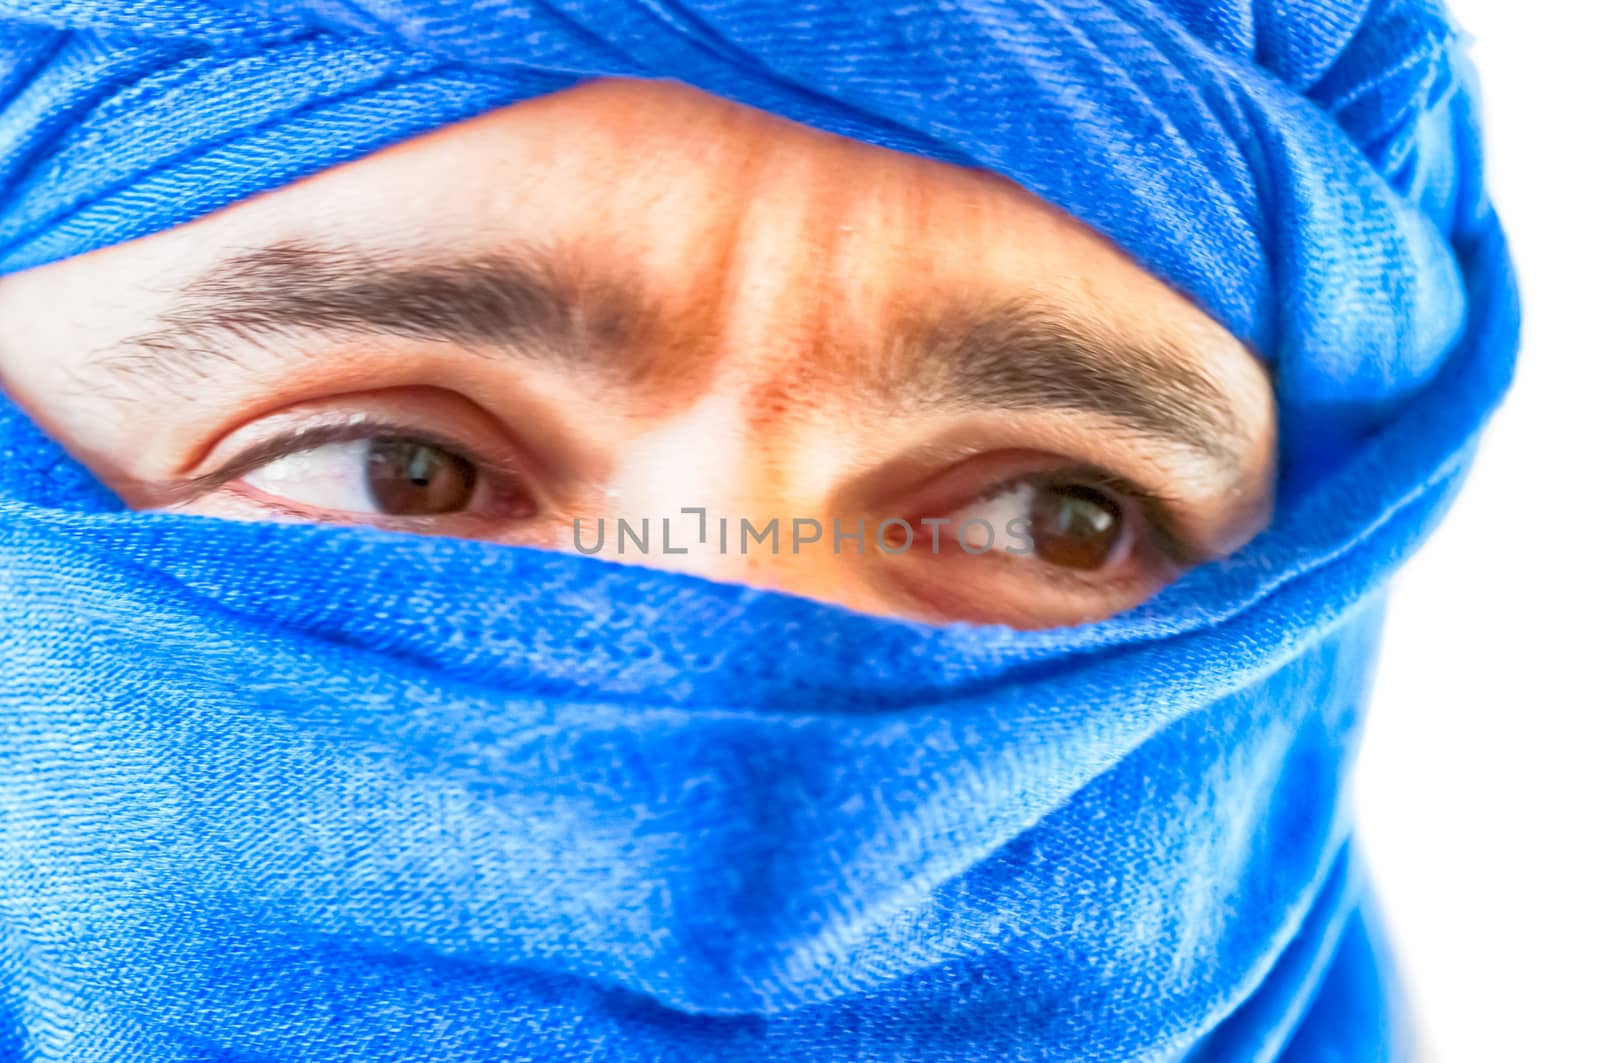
1478,794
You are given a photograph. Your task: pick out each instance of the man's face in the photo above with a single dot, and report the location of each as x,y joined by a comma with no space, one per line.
631,299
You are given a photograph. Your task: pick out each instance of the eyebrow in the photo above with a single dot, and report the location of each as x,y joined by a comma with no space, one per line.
523,301
1022,354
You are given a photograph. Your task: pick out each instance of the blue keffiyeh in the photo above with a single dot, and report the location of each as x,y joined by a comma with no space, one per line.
276,792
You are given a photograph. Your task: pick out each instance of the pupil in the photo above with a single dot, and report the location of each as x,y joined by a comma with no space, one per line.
410,478
1074,526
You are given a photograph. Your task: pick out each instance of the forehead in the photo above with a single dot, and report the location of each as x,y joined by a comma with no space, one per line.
757,257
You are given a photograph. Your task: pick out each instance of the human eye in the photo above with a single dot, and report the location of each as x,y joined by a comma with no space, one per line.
421,465
1064,519
1047,539
394,473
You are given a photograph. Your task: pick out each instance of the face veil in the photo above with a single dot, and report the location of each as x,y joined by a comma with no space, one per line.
280,791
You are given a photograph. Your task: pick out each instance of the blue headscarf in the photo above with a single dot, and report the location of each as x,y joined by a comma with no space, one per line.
297,792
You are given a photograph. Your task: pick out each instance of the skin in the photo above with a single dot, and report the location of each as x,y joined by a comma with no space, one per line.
757,300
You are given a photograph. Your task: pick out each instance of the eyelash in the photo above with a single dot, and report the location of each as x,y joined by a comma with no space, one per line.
507,482
1156,512
499,474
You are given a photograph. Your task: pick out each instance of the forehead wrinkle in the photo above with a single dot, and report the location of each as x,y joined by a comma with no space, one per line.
770,301
679,362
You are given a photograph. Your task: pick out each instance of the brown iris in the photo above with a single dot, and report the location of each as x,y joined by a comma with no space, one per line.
413,478
1074,526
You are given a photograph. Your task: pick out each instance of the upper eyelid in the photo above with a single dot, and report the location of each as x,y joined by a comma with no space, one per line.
1154,507
1092,476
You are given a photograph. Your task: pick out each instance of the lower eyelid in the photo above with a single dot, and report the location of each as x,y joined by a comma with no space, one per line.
465,524
1081,579
1053,597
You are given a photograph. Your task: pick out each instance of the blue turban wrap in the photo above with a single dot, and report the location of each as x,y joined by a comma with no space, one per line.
296,792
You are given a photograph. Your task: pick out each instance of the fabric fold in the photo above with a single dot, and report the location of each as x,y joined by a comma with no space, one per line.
277,792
